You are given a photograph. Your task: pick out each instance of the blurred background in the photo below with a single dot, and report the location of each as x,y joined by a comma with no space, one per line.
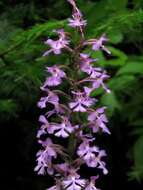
24,25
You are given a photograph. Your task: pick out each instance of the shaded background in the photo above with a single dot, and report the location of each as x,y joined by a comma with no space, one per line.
23,27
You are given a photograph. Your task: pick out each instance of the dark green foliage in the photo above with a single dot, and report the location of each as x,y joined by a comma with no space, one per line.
23,29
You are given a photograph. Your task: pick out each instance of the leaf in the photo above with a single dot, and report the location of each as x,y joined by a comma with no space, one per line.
137,169
115,36
132,68
119,57
110,100
38,30
26,38
120,83
125,22
8,109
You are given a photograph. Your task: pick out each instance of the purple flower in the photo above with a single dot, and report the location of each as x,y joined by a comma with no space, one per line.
46,126
96,162
44,158
60,130
81,102
92,155
57,45
56,76
61,33
57,110
97,75
91,185
98,44
52,98
87,152
100,82
44,164
73,182
97,80
63,129
43,128
101,164
88,90
95,72
98,120
76,21
85,63
86,66
49,147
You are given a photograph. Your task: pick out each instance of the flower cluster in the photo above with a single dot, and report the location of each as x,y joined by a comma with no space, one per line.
72,115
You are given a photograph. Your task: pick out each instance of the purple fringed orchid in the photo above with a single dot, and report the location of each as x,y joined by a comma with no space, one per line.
73,182
51,98
44,164
57,45
81,102
64,129
92,155
72,117
99,81
46,126
56,76
87,152
98,44
76,21
44,158
97,119
85,63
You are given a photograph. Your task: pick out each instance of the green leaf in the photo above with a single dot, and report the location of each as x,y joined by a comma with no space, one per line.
111,101
119,57
120,83
137,169
115,36
131,68
8,108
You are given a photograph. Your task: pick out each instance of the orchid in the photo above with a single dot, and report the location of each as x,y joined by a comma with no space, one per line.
52,98
73,182
85,63
56,76
57,45
98,44
65,110
98,120
76,21
86,151
81,102
63,129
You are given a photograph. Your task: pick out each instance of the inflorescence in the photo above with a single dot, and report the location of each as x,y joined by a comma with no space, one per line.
63,122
